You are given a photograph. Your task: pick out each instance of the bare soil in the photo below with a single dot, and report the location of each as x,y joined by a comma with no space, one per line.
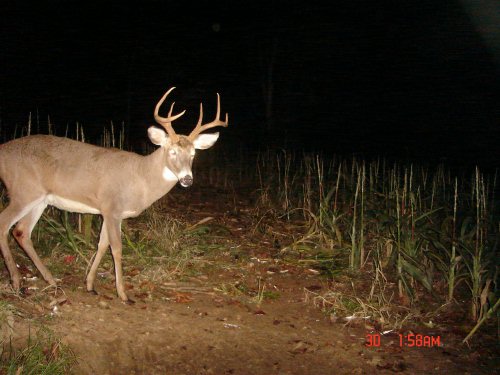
194,325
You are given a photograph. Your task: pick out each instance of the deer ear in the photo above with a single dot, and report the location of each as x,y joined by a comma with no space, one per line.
204,141
157,136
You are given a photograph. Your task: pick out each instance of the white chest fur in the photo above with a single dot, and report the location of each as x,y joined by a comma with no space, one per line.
168,175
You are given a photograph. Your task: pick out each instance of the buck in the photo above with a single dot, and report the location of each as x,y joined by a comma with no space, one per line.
42,170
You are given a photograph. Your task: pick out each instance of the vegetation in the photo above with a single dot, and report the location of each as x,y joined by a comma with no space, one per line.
407,233
42,354
431,232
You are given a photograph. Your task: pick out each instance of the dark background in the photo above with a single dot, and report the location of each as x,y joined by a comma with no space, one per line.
410,80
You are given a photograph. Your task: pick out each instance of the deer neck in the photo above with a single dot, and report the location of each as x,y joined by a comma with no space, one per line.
159,180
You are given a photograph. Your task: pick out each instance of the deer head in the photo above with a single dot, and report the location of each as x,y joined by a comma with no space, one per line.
180,149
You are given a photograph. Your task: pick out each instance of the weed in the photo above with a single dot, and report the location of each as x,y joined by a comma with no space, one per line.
43,354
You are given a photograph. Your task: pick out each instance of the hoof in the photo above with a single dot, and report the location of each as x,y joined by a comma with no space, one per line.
93,292
16,285
129,302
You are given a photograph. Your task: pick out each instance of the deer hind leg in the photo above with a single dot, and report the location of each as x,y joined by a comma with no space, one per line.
101,250
22,234
8,217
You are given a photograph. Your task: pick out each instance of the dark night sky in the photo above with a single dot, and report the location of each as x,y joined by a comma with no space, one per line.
410,79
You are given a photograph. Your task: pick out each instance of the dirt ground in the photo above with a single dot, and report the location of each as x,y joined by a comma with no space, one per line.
194,326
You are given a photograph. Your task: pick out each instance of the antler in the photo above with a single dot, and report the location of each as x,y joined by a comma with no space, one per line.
217,122
166,122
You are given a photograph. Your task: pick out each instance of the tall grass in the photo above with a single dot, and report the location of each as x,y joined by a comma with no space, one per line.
432,231
43,354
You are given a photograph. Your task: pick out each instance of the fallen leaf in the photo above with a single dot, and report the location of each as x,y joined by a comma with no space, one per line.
142,295
299,348
133,272
68,259
183,297
147,285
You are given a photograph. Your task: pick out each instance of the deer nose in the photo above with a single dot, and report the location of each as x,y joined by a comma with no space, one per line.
186,181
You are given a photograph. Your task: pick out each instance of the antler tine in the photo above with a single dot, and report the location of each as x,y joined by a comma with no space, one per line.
201,115
166,122
217,122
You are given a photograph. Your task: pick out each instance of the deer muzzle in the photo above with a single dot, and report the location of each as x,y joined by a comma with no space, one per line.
186,181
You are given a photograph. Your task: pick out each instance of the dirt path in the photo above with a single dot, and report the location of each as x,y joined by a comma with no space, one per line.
210,334
207,332
193,326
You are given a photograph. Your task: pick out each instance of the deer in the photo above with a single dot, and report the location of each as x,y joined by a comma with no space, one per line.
42,170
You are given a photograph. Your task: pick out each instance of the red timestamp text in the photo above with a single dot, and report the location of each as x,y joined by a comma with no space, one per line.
413,340
410,340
